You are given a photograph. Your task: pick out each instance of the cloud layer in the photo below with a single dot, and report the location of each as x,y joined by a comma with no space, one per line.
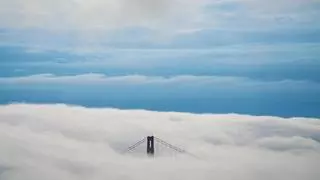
114,14
102,79
108,23
155,86
66,142
98,15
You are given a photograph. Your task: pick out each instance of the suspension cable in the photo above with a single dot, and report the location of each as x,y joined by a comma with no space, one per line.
135,145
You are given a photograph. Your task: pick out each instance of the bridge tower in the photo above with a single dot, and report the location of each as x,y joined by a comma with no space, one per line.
151,140
150,145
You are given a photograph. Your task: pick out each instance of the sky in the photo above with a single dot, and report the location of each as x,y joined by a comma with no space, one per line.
235,83
201,56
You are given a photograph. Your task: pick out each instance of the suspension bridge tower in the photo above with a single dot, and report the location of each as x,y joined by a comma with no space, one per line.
150,142
150,145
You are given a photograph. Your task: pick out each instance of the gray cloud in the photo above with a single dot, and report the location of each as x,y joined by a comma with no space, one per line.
216,82
67,142
178,16
97,15
86,25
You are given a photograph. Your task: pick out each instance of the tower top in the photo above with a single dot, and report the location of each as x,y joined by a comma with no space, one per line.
150,145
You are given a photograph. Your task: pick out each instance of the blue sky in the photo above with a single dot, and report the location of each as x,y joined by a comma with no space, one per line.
204,56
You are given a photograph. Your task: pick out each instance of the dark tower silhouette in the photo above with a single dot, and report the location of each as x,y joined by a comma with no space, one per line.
150,145
151,140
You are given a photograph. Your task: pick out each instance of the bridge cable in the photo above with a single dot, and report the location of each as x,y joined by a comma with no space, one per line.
174,147
135,145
